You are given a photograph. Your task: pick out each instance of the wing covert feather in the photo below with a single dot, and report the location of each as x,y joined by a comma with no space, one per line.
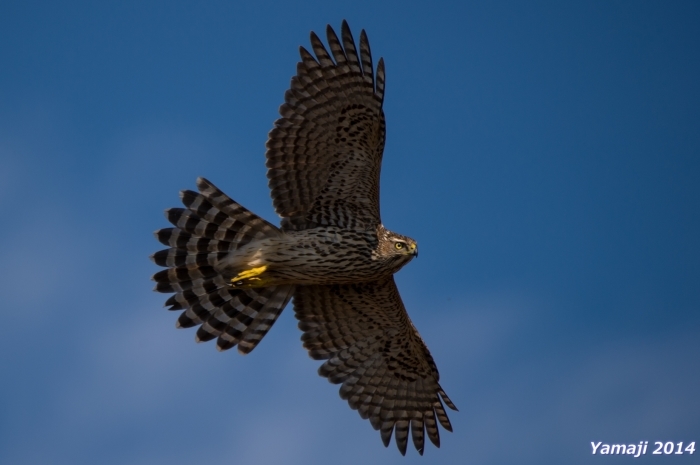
324,153
373,350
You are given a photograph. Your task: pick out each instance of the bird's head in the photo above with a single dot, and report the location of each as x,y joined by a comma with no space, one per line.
397,248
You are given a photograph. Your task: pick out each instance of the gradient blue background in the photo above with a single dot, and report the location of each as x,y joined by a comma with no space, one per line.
545,155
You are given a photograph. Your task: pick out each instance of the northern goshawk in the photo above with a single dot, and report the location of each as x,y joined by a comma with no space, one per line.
233,272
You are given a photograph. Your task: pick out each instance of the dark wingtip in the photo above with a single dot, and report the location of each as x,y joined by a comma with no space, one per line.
446,399
385,433
344,27
402,448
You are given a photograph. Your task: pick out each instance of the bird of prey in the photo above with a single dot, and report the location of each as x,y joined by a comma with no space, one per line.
233,273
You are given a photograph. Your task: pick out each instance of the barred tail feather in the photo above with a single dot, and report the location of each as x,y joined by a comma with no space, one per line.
211,226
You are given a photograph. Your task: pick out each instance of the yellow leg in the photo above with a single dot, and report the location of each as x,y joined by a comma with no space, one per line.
249,278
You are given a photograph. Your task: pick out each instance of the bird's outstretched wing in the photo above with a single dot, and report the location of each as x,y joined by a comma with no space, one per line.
324,154
372,348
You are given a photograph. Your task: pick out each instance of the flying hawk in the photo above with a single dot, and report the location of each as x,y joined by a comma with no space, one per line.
233,273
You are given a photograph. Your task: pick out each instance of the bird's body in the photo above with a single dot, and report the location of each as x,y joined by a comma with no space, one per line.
233,272
327,254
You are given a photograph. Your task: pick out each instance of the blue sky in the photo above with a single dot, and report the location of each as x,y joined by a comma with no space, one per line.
545,155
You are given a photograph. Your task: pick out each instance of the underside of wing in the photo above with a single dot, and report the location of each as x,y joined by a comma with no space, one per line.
373,350
324,154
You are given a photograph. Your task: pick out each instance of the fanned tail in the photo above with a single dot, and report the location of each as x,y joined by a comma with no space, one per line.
211,226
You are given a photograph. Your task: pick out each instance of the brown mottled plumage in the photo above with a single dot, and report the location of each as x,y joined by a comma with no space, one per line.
233,272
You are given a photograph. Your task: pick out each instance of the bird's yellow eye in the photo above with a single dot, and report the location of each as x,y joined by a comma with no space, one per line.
399,245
